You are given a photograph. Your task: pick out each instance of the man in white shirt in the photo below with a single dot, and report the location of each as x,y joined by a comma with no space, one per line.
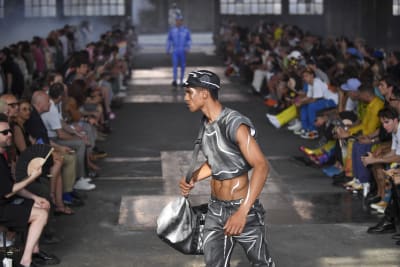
53,122
390,120
318,97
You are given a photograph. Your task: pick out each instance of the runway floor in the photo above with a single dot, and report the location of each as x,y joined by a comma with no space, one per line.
310,223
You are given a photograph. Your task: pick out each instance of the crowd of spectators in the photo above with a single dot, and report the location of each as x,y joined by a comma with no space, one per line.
58,91
341,92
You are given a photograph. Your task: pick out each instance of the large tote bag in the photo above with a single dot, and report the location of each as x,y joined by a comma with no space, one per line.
180,225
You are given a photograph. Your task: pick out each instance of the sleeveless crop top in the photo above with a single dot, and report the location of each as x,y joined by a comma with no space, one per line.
219,145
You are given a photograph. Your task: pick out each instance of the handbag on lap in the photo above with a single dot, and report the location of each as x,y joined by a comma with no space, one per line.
179,224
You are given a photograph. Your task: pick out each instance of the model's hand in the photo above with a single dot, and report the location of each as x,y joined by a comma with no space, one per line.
236,223
185,187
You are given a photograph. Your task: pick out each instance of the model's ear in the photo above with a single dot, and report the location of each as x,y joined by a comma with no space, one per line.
205,94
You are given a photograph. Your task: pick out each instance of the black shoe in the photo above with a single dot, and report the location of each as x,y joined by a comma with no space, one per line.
396,236
43,258
339,175
174,84
385,226
372,199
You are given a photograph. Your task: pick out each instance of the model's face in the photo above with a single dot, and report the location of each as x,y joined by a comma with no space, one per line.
5,135
178,22
194,98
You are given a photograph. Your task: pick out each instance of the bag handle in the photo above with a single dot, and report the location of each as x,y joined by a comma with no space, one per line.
196,150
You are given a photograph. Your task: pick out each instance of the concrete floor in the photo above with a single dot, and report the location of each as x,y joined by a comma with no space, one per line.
309,222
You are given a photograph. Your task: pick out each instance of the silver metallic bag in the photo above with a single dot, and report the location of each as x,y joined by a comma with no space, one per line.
180,225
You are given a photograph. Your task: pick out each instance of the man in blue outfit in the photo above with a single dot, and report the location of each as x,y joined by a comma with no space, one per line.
178,44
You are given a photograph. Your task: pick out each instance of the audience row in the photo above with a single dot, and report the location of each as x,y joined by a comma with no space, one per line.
340,92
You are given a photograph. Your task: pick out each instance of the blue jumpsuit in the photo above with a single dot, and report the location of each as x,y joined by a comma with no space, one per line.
179,41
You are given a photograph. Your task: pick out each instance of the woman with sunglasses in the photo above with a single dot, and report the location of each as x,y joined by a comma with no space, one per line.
22,140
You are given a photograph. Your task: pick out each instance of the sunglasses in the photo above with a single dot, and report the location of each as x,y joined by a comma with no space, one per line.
6,132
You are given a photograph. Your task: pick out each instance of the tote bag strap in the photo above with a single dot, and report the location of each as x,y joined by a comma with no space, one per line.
196,150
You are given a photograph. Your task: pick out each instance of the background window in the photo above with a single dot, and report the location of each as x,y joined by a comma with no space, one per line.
1,8
396,7
250,7
40,8
94,8
306,7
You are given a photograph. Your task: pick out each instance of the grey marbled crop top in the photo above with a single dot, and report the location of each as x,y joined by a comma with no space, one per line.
219,145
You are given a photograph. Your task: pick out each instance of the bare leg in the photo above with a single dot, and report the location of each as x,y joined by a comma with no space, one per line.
380,180
37,221
55,179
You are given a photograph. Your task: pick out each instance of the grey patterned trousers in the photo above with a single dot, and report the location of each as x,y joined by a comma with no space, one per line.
218,247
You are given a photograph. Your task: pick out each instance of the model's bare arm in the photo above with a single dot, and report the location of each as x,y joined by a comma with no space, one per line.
254,156
203,172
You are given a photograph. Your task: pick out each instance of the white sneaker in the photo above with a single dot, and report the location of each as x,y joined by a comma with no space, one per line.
300,132
86,179
381,210
83,185
296,125
366,188
273,120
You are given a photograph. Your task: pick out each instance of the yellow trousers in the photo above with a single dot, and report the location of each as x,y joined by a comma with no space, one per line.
287,115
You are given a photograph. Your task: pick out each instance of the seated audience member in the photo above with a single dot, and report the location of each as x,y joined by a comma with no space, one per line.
368,124
12,103
19,207
52,123
22,141
390,120
318,97
36,128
